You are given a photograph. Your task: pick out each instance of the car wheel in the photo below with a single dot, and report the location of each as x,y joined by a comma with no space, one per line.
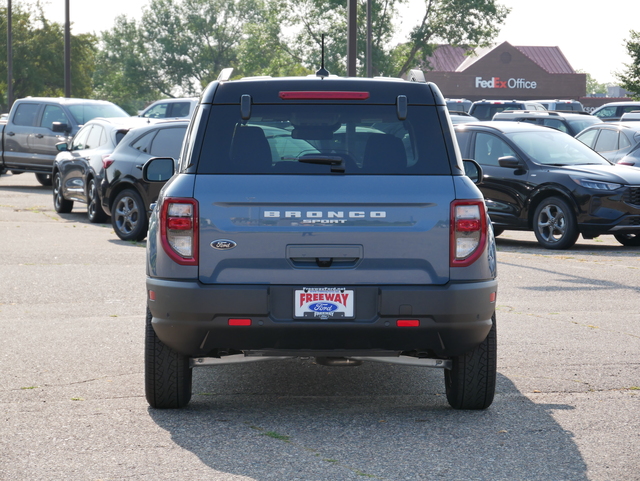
44,179
471,381
630,240
60,204
94,209
554,224
168,377
129,216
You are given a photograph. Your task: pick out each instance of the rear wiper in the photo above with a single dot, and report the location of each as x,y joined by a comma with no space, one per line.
336,163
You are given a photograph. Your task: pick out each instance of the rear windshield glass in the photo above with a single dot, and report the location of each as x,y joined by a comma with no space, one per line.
487,111
85,112
323,139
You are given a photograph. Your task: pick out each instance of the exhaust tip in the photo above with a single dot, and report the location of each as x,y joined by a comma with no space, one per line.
338,361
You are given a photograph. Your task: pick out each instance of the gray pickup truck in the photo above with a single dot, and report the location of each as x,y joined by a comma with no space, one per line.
36,124
320,217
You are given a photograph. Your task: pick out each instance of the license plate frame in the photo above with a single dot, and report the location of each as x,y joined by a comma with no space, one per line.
324,303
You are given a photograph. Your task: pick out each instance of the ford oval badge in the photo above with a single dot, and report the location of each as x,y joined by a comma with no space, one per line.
323,307
223,244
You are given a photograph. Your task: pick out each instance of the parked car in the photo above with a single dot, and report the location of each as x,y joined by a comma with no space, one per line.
461,117
485,109
612,111
569,123
36,124
458,105
325,217
180,108
562,105
540,179
77,170
616,141
126,197
633,116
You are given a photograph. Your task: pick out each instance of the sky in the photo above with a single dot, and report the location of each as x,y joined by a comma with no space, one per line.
592,38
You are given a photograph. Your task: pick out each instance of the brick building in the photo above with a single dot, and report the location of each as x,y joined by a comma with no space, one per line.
504,72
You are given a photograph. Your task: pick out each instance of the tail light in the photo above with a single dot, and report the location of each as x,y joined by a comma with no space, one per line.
107,161
468,231
179,230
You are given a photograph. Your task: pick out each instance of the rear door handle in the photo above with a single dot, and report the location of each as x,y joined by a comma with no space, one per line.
11,134
39,136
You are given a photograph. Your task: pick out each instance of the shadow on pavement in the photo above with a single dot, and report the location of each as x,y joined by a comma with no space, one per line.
294,419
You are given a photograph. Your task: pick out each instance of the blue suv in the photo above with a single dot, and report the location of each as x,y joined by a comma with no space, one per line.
320,217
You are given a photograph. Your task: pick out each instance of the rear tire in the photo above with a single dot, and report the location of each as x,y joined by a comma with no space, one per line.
168,377
94,209
471,381
129,216
629,240
60,204
44,179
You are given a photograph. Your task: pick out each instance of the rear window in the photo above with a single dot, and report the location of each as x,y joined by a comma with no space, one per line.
85,112
324,139
487,111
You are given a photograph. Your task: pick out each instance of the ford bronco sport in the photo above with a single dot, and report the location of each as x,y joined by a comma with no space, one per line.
320,217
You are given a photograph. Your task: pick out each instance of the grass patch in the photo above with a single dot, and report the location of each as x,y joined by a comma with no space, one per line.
275,435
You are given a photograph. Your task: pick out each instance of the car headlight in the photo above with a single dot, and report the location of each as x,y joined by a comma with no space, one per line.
596,184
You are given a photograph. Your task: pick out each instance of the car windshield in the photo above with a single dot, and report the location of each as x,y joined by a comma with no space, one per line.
85,112
555,148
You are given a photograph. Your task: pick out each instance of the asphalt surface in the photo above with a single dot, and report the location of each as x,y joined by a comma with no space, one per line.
72,314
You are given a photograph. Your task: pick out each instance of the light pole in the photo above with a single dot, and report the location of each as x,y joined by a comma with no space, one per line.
369,39
9,58
352,32
67,51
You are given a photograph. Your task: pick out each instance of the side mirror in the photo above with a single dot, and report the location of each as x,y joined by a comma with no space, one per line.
473,170
158,169
511,162
62,147
59,127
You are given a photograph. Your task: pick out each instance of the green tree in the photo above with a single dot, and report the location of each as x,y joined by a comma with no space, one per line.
471,23
312,18
593,86
264,49
178,47
124,72
38,56
630,78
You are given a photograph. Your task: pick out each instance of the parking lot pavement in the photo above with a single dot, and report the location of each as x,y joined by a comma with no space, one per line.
71,376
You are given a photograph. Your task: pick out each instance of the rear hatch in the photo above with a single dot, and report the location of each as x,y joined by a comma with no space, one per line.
327,230
324,182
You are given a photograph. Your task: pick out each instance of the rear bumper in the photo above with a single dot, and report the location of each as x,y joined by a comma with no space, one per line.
193,318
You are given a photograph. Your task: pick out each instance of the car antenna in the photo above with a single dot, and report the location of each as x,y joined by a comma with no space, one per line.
323,72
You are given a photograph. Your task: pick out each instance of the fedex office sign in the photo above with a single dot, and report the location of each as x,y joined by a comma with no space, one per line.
498,83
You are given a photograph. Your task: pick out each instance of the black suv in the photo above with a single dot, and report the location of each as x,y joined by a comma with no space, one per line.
485,109
569,123
320,217
539,179
126,197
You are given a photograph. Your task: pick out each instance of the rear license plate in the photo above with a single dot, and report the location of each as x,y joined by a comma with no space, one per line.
323,303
